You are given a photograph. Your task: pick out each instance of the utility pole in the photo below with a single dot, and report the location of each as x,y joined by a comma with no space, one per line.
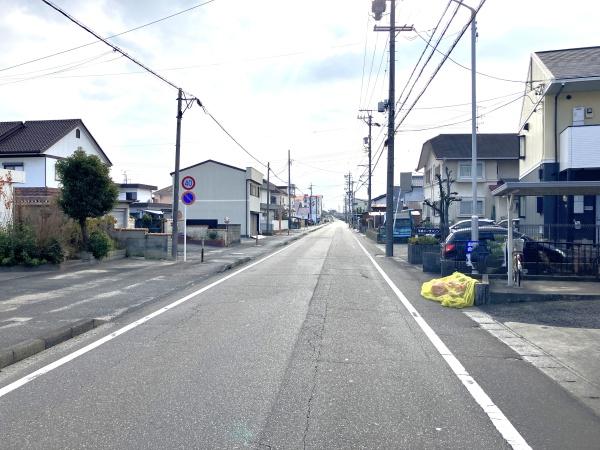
474,216
378,8
175,235
310,208
369,121
289,193
268,195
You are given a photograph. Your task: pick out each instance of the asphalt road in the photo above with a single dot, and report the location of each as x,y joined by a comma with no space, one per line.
310,348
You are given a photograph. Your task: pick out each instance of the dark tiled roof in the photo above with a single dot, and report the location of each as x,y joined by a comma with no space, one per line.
458,146
572,63
34,136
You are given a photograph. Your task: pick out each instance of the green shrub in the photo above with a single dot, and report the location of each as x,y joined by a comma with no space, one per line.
99,244
423,240
53,252
212,234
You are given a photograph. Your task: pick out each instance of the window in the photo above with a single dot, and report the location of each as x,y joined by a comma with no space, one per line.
464,170
16,166
131,196
465,207
540,205
522,206
427,177
578,204
522,147
254,190
78,133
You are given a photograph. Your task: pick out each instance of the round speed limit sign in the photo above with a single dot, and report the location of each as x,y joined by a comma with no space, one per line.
188,183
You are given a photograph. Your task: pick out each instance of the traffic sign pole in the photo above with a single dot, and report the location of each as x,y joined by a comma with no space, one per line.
184,233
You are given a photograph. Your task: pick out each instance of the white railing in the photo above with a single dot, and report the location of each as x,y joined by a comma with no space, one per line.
580,147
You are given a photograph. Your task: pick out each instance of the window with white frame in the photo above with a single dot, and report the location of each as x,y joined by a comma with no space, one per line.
254,190
466,205
464,170
522,207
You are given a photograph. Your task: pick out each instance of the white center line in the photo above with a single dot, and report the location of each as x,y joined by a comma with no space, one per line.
499,420
82,351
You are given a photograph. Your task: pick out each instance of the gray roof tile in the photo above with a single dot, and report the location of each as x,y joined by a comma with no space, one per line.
572,63
458,146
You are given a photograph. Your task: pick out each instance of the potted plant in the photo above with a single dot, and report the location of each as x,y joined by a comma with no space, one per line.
419,245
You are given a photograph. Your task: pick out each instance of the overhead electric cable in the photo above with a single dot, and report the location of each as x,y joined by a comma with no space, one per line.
108,37
454,44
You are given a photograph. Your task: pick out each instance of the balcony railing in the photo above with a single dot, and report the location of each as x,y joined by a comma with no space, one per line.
580,147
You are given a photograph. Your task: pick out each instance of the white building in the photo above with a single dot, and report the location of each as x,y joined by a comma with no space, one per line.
224,191
136,192
35,147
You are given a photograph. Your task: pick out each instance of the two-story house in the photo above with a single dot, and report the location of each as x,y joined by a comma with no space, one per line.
225,192
35,146
560,135
497,162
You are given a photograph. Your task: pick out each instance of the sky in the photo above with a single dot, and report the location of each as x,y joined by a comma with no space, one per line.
279,75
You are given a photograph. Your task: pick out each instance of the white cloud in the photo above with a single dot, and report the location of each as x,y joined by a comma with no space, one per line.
278,74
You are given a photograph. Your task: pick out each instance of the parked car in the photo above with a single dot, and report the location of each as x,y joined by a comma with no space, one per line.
538,257
504,223
467,224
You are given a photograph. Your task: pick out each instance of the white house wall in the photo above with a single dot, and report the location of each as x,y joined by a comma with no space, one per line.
220,192
69,143
34,166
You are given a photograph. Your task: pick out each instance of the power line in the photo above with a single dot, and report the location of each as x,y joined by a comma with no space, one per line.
463,121
108,37
477,72
437,69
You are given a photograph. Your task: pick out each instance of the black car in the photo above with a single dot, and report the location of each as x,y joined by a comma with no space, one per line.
538,257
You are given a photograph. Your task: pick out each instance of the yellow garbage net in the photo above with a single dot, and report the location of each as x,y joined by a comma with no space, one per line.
455,291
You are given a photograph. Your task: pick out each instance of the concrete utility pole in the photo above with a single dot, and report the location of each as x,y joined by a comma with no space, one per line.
310,208
175,235
369,121
378,9
268,195
289,193
474,216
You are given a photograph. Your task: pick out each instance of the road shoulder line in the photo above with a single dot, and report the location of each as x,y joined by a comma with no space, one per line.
497,417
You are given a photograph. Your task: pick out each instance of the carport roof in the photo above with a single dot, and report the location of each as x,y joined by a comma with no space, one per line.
548,188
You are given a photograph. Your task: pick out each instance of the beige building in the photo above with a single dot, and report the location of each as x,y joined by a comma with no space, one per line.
560,133
498,161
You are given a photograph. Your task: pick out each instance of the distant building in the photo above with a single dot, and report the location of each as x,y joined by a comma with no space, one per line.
225,191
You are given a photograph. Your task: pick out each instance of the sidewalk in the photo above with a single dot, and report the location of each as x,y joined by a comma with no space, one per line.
552,324
39,309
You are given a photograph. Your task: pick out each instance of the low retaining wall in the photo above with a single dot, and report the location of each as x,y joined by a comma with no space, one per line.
138,242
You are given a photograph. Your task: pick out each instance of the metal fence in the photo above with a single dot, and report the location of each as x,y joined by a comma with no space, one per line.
561,232
539,258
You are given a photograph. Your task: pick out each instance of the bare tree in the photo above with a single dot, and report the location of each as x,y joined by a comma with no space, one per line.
446,199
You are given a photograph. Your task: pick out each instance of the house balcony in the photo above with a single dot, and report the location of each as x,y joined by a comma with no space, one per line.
580,147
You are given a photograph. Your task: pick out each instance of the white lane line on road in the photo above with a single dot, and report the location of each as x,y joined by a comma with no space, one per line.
82,351
104,295
499,420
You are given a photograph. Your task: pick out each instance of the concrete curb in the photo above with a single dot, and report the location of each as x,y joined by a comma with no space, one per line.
30,347
25,349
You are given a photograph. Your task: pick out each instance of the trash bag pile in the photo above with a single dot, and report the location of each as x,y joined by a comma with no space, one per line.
454,291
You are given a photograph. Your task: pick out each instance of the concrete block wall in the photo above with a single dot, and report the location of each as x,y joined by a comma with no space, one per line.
138,242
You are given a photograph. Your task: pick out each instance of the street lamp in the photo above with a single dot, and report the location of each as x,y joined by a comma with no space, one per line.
474,217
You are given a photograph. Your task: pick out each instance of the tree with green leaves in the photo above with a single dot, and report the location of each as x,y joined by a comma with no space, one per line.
87,189
446,199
